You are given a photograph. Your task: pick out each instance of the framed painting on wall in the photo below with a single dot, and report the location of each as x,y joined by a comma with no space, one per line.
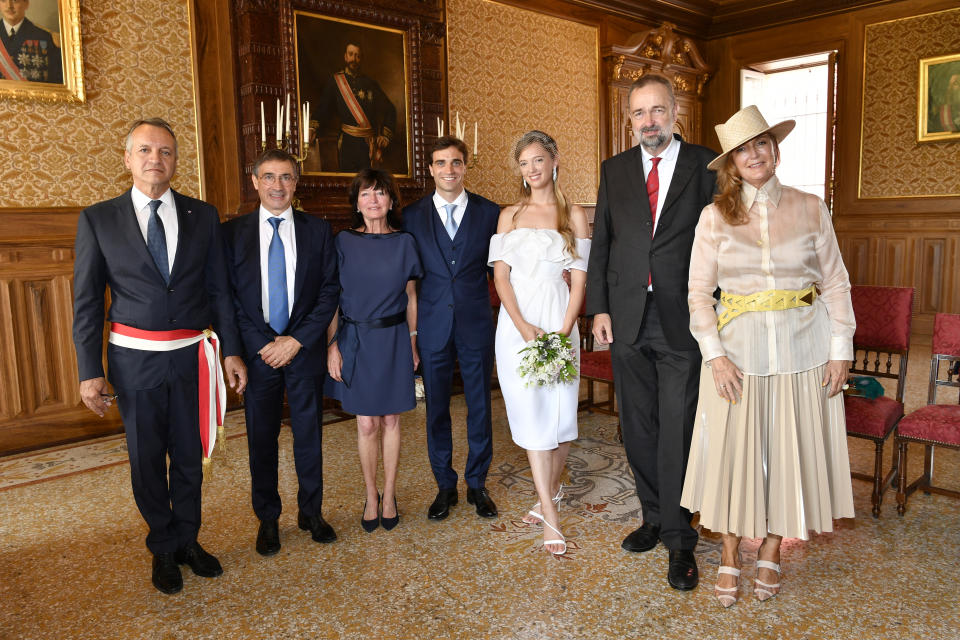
938,99
40,50
356,78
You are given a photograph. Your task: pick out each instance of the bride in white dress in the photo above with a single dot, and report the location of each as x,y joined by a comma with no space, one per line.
537,239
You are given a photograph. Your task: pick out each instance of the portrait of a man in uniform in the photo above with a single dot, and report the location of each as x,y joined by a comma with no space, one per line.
354,77
30,41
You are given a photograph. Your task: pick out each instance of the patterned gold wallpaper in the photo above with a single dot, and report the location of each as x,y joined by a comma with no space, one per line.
516,70
892,163
136,63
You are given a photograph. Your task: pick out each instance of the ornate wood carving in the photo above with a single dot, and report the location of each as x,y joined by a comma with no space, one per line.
660,51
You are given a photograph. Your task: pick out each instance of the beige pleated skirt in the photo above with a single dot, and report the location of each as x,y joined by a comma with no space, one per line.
775,462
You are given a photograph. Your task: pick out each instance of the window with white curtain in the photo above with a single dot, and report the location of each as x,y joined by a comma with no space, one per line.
797,89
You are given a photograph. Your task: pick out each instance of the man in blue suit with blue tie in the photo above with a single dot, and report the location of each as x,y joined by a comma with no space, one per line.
283,268
452,228
161,254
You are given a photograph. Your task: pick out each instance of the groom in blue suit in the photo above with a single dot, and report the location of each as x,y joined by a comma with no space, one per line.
452,228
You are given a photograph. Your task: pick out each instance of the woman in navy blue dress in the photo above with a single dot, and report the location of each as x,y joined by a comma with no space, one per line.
373,337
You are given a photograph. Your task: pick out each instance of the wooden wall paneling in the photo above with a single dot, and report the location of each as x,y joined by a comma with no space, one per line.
894,253
217,104
932,263
39,395
856,252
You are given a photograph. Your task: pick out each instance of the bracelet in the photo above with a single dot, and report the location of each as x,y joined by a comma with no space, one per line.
413,333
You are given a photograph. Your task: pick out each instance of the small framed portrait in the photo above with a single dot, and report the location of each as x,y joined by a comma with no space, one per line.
40,50
356,78
938,99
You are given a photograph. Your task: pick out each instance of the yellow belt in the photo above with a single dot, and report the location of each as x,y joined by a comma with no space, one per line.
770,300
357,132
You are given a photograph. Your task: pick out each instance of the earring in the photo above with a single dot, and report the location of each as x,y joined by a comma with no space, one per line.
554,174
524,183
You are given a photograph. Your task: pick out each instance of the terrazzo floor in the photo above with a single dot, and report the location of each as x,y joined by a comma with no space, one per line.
73,563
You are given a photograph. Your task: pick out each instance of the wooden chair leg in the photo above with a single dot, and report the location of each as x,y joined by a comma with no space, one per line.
877,480
928,467
902,478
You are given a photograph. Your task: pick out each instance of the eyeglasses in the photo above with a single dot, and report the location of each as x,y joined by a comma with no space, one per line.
270,178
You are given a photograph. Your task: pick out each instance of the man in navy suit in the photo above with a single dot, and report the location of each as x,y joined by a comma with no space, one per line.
648,207
161,254
283,268
452,228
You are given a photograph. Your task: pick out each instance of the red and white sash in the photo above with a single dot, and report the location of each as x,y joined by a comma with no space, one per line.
347,94
8,68
212,390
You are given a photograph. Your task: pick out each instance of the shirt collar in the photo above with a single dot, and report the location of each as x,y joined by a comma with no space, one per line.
669,154
141,200
439,203
266,215
7,26
773,189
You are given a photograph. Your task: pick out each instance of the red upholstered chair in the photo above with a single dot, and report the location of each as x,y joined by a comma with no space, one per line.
596,367
934,424
883,329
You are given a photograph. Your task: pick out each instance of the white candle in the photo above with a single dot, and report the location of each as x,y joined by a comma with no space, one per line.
288,116
263,125
441,129
306,125
438,127
279,120
303,122
459,135
476,137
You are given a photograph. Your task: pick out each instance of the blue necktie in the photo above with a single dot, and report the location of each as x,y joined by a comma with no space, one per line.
157,241
277,274
451,223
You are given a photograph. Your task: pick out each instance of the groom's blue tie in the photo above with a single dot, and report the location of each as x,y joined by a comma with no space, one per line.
451,224
157,241
277,275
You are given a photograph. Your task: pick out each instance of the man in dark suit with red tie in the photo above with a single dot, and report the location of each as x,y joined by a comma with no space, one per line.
648,206
161,254
283,267
452,228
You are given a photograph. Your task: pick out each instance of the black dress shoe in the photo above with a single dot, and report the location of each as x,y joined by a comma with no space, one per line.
643,539
317,526
390,523
440,508
166,573
202,563
268,538
683,572
480,498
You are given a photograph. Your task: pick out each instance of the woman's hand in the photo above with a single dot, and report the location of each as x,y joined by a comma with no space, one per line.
416,352
334,362
530,332
727,379
835,376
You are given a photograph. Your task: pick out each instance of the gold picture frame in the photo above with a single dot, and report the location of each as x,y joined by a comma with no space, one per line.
938,99
28,72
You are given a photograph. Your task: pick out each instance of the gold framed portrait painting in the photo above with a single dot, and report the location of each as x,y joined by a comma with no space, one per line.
356,77
40,50
938,99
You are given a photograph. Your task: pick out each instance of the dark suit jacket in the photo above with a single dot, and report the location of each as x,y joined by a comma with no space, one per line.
316,289
42,59
110,250
453,291
622,254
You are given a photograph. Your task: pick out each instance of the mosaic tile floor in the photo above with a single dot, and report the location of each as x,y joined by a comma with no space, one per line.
73,563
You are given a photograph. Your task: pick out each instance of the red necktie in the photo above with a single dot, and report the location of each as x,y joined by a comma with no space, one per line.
653,189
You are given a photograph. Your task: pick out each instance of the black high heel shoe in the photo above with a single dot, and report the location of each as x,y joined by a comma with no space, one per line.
370,525
390,523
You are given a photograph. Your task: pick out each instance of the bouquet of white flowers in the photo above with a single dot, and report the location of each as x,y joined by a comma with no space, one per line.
548,360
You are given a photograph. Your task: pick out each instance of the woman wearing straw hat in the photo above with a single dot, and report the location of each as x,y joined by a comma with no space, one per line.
769,453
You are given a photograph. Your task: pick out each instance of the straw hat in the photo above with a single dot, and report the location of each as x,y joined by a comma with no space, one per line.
745,125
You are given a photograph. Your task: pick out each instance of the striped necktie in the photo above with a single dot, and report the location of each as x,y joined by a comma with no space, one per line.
157,241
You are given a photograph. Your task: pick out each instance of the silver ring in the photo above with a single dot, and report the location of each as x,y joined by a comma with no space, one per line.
723,386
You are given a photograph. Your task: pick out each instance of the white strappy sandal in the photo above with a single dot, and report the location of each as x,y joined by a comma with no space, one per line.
762,590
556,500
727,596
562,540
